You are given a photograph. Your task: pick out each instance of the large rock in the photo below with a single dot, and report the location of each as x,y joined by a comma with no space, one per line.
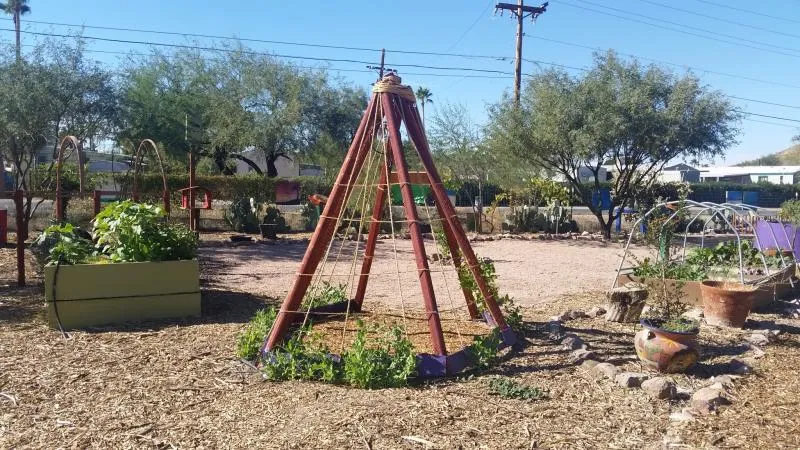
741,366
708,399
625,303
606,370
660,388
630,379
572,342
596,311
582,354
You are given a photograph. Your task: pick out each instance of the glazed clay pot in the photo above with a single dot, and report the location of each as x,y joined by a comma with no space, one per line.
726,304
666,351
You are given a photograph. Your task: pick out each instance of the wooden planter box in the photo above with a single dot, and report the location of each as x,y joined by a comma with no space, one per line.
776,287
103,294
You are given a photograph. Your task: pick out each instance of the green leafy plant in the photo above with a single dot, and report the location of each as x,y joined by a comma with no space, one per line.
507,388
389,364
249,342
308,213
325,294
63,243
131,232
273,216
790,211
241,216
483,349
468,282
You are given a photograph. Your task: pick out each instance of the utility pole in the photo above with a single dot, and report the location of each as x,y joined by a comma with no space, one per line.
520,11
382,68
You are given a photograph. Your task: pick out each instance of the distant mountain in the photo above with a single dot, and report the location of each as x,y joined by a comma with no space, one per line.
787,157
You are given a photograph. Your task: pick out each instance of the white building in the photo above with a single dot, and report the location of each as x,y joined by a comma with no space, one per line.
752,174
679,173
287,167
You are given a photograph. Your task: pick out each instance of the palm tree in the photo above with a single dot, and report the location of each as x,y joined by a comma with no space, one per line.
17,8
424,96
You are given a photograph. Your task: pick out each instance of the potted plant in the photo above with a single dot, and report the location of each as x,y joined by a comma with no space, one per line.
133,266
727,304
668,341
273,223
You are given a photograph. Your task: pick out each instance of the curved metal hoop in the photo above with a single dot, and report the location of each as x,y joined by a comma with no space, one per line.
137,164
66,143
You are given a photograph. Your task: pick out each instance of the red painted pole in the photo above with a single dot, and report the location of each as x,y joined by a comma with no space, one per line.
455,254
22,232
96,198
372,238
420,142
326,226
192,211
393,127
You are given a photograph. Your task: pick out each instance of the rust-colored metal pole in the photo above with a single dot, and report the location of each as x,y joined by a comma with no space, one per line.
192,211
372,237
326,226
22,232
96,201
455,254
420,142
393,128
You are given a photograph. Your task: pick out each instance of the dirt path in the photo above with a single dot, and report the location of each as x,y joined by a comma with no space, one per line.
530,271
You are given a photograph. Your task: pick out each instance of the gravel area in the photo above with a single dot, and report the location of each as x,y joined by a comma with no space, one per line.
531,272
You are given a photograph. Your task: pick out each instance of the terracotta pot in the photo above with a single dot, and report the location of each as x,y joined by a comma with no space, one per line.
666,351
726,304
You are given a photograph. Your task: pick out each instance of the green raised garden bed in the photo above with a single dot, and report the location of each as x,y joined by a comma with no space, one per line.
89,295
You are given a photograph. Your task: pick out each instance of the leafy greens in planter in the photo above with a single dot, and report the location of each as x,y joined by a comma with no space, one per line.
123,232
135,232
700,261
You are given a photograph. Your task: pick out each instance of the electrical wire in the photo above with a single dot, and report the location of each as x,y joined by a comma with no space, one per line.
719,19
749,11
661,61
664,27
469,28
690,27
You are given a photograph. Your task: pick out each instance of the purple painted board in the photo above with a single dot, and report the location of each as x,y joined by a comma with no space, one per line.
774,235
458,361
429,366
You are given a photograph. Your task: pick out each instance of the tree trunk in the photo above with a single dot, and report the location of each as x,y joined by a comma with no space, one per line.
17,30
607,229
272,171
625,303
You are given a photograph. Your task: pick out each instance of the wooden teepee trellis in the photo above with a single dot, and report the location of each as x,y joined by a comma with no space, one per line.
391,104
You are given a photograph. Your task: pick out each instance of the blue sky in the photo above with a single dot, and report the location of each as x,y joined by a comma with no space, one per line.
471,27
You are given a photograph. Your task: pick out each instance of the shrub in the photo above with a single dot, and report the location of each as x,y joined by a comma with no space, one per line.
249,342
507,388
790,211
65,243
241,216
390,364
129,232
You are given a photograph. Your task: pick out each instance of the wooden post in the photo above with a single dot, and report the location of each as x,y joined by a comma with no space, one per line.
96,197
326,227
393,128
418,138
22,233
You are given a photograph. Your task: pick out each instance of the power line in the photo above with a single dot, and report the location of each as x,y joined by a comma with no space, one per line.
785,125
276,55
268,41
748,11
770,117
703,30
664,27
764,102
719,19
339,69
715,72
469,28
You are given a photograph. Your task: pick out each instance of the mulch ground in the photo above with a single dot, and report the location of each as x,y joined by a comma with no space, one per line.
177,384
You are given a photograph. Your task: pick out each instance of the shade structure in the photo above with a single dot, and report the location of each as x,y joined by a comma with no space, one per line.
376,160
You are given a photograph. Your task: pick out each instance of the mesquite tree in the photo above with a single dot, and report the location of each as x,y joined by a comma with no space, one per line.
636,118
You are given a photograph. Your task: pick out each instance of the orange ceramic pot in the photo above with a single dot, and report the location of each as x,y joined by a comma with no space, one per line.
666,351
